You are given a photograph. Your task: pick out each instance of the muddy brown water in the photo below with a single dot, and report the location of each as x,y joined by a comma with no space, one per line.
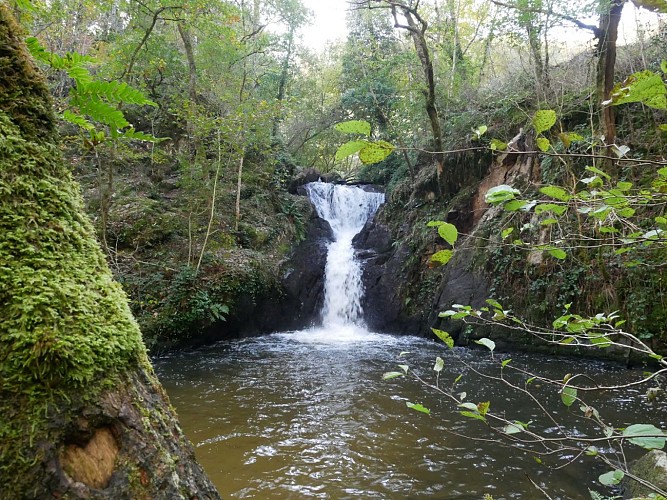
308,415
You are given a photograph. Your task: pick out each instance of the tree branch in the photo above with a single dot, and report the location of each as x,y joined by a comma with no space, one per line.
579,24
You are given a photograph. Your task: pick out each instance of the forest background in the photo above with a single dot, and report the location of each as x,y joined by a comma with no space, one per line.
186,122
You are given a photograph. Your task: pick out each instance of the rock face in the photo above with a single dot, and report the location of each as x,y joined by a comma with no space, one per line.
652,468
382,264
303,281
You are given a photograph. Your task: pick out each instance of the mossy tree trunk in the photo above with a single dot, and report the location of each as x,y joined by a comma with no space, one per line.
81,413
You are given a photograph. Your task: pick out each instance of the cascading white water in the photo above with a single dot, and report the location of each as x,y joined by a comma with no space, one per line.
346,209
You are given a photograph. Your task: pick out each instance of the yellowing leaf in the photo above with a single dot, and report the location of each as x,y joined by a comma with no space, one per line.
543,120
349,148
444,336
646,87
354,127
448,232
543,144
442,257
375,152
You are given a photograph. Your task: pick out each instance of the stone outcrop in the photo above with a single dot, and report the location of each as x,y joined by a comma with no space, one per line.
303,280
652,468
382,264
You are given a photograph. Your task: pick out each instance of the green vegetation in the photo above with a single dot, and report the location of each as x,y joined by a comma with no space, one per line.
185,123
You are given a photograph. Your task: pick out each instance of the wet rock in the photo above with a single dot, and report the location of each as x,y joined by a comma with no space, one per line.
303,280
382,264
303,177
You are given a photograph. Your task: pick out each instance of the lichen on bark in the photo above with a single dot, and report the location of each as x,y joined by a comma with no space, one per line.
73,368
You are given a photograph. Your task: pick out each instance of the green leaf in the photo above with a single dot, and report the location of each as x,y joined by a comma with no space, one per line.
405,368
444,336
483,407
550,207
115,92
626,212
568,395
480,131
514,205
354,127
488,343
600,341
611,478
494,303
418,407
498,145
543,120
471,414
598,172
543,144
555,192
505,363
558,253
506,232
349,148
645,435
101,112
439,364
442,257
499,194
131,134
375,152
435,223
646,87
448,232
512,429
391,375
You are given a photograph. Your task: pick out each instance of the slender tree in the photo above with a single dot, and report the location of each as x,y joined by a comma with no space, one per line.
416,26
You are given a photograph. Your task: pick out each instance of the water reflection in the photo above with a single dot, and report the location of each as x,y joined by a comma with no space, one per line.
307,415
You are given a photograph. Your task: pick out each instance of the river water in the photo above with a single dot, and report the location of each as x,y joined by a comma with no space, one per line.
308,414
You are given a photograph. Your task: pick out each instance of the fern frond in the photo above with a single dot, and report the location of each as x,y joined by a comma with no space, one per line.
78,120
100,111
116,92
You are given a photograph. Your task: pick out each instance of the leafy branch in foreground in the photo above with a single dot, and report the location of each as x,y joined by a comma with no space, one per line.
369,151
542,434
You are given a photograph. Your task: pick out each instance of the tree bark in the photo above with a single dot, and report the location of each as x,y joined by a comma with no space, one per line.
608,36
82,414
421,48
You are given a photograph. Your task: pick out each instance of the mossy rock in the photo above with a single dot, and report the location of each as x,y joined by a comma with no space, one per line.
140,222
652,468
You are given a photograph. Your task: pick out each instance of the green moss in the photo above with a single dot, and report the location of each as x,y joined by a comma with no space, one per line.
65,326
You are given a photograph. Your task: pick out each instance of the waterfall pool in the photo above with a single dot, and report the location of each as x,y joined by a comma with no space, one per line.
308,415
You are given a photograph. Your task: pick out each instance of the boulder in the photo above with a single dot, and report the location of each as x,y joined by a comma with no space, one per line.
652,468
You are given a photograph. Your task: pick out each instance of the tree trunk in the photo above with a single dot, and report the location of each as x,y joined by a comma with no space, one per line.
609,21
82,414
424,56
284,75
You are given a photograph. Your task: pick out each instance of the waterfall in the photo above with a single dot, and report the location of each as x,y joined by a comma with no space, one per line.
346,209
